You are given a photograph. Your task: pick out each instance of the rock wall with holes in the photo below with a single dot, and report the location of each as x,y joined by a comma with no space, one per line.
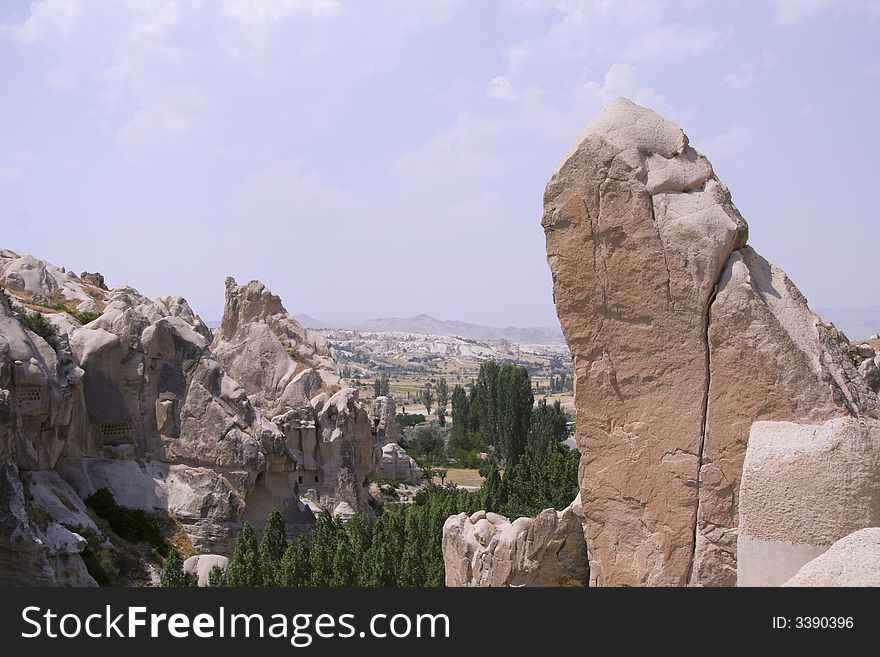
136,402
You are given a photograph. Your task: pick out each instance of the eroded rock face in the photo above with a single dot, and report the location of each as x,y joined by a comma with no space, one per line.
398,465
289,373
383,413
803,488
486,549
281,364
136,403
852,561
797,368
667,313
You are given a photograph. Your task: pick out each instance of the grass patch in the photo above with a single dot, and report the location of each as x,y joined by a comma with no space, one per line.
133,525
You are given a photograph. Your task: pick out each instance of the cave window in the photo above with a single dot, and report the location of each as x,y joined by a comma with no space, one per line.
316,479
116,429
300,479
30,393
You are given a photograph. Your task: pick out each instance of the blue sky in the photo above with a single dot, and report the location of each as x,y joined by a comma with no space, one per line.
377,158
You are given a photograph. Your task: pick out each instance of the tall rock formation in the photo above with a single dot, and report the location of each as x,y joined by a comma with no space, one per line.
289,374
281,364
682,336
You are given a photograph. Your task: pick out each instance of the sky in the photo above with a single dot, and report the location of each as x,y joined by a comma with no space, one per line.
389,157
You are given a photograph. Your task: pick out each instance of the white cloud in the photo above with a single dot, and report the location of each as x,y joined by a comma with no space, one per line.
11,175
162,70
790,12
748,71
673,43
501,89
806,111
286,189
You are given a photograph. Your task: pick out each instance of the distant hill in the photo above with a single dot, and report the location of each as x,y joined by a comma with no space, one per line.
434,326
856,323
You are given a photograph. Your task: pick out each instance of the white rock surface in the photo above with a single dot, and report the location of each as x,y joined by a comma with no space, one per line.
854,560
486,549
203,564
803,488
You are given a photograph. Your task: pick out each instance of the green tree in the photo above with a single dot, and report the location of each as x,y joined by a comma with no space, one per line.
442,393
173,575
343,566
244,567
381,385
548,425
272,548
461,434
323,551
217,577
296,563
426,396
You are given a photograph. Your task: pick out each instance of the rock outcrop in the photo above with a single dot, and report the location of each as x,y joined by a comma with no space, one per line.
281,364
383,414
398,465
137,403
44,283
803,488
852,561
682,337
486,549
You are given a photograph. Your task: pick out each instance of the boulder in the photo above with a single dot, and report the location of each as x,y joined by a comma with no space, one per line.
803,488
398,465
854,560
486,549
203,564
667,312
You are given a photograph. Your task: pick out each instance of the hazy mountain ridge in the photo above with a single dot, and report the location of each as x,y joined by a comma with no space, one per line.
433,326
856,323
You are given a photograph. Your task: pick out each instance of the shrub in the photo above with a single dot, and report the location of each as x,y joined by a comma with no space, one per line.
98,560
38,324
134,525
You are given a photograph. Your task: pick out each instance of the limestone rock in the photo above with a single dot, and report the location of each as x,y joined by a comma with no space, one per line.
803,488
852,561
486,549
203,564
667,313
398,465
280,363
